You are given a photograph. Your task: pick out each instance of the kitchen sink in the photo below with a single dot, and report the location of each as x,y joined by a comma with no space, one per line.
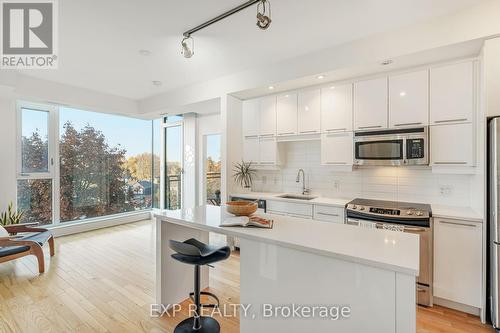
296,196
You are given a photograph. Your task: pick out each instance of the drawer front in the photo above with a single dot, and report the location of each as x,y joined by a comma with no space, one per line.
303,210
329,214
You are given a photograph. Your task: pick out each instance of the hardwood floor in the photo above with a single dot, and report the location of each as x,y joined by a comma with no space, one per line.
103,281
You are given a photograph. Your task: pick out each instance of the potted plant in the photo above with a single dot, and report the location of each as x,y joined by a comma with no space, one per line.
243,174
10,216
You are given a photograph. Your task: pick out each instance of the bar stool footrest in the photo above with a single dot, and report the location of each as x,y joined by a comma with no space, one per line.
208,325
206,293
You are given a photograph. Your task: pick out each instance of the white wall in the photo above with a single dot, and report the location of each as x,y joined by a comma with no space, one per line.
207,125
7,148
384,183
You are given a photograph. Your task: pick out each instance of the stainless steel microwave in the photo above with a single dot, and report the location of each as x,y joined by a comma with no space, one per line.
392,147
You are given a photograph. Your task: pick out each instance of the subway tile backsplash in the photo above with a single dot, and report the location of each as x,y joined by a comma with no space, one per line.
415,184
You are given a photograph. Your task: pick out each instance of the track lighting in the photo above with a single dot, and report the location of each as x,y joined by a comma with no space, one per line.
263,22
187,47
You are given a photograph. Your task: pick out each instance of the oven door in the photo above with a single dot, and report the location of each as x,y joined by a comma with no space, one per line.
379,150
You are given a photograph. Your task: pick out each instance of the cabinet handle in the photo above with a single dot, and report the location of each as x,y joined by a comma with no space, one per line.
336,129
366,127
336,163
267,136
449,120
289,133
327,214
407,124
305,132
267,163
450,163
458,223
251,137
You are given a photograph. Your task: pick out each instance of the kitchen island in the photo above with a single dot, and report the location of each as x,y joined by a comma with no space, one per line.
301,263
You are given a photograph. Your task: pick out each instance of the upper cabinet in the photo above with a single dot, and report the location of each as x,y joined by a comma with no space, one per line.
267,119
409,99
370,104
309,115
286,110
336,108
452,93
251,117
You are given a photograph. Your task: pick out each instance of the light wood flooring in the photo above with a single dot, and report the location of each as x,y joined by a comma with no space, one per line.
103,281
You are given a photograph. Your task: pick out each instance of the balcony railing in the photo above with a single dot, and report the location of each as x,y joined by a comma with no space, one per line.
213,188
173,190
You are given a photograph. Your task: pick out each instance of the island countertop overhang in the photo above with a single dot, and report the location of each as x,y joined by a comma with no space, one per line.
389,250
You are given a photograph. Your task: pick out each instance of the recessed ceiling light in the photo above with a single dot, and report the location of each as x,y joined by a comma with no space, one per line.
157,83
145,53
332,87
320,77
402,94
386,62
270,87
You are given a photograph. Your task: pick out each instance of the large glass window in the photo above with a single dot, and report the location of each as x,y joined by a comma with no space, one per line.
173,166
74,164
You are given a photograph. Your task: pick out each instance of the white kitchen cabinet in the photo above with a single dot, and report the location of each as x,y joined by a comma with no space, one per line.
251,117
458,261
409,99
286,110
268,149
301,210
370,104
267,117
336,108
452,93
328,214
251,150
337,148
309,111
452,145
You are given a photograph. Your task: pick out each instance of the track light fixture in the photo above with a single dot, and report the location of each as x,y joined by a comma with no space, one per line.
263,22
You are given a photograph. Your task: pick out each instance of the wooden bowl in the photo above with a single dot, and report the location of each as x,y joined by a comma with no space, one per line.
241,208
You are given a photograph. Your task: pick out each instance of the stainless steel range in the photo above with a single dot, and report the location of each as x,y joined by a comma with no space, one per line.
403,217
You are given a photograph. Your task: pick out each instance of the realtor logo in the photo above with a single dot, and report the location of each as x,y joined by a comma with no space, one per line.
29,34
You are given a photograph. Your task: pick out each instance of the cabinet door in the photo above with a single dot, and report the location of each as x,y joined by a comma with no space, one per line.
370,104
458,261
251,117
337,148
336,108
452,93
409,99
268,115
329,214
286,110
309,116
268,151
251,151
452,144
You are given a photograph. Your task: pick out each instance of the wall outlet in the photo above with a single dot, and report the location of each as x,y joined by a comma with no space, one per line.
264,179
446,189
336,185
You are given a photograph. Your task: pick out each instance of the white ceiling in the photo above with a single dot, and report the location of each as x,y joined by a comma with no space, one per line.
99,40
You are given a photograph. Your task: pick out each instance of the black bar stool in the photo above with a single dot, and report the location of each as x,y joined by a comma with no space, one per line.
194,252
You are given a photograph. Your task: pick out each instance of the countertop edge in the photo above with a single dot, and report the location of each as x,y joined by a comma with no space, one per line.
340,256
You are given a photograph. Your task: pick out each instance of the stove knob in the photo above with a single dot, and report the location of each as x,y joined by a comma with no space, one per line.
354,207
419,213
409,212
362,208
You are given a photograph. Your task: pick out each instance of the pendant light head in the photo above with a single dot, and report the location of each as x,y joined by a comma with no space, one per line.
187,46
263,20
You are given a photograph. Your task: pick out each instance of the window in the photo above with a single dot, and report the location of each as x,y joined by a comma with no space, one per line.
173,166
74,164
212,168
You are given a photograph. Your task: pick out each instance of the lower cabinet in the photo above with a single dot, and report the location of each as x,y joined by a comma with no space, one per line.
458,261
337,148
328,214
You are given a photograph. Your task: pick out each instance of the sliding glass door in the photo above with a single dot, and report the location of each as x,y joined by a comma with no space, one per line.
173,169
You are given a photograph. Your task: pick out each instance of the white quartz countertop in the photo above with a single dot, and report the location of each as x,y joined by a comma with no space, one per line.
389,250
442,211
338,202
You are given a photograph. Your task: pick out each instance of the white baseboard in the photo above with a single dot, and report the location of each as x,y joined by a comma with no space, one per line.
457,306
104,222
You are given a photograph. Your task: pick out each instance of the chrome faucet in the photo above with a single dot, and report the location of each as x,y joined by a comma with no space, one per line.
305,191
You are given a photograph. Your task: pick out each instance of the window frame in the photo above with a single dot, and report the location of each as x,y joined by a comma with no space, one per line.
52,152
163,160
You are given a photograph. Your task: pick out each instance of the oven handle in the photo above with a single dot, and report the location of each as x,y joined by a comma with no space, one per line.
415,229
